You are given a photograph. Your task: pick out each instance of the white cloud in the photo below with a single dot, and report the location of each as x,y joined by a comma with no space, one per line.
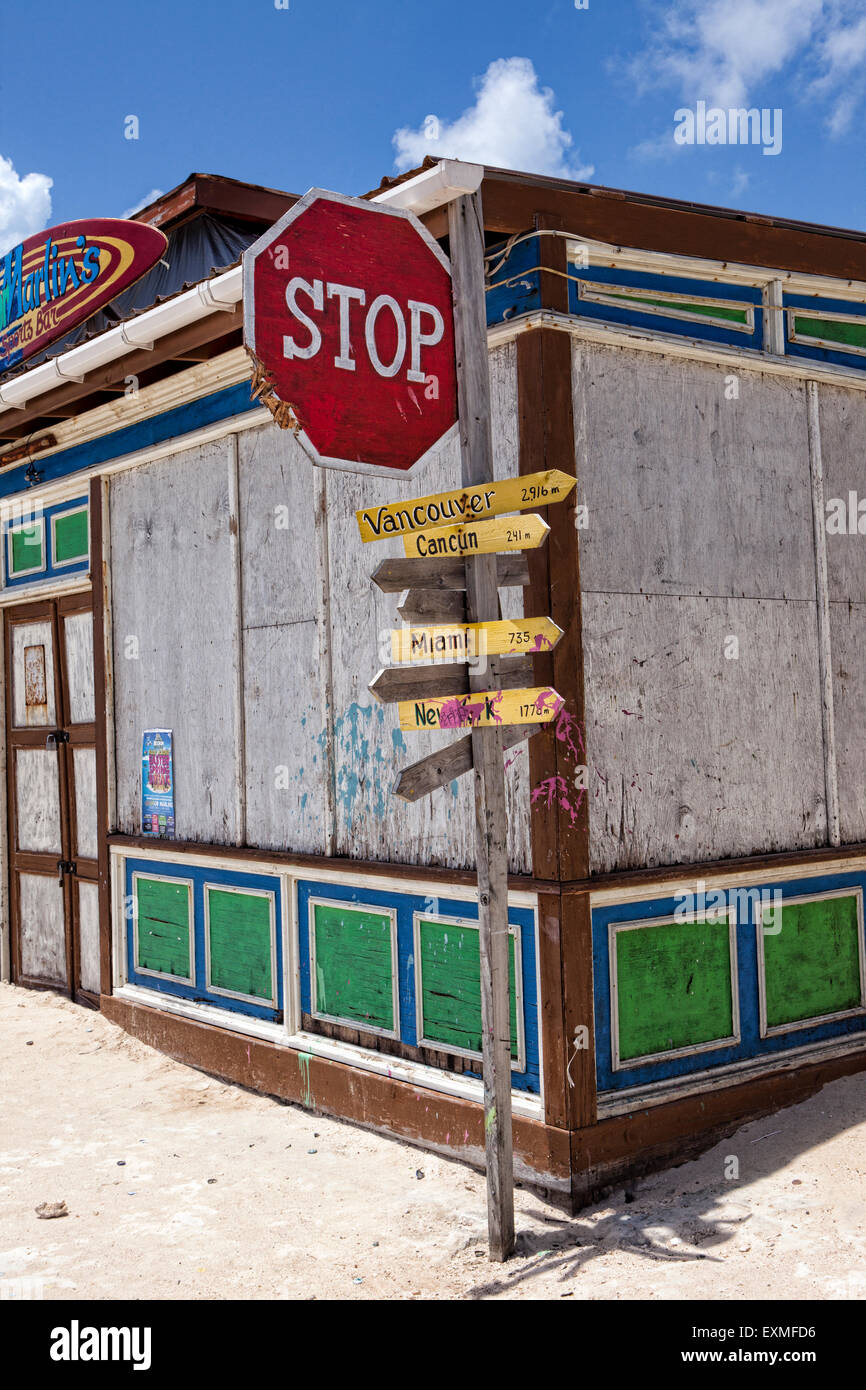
144,202
25,204
718,50
723,51
513,124
841,57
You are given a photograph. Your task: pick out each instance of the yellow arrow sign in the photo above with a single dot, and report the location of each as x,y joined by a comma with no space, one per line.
468,641
478,537
464,504
487,709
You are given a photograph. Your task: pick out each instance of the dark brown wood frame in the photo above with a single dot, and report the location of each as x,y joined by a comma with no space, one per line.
54,610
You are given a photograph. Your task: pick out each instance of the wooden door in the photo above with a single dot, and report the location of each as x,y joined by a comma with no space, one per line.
52,797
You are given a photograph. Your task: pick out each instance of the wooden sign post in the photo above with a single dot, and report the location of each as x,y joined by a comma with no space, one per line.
466,234
327,368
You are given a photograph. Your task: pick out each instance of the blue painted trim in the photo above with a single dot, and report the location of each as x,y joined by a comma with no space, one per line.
201,876
207,410
50,571
630,316
507,301
809,303
406,905
751,1044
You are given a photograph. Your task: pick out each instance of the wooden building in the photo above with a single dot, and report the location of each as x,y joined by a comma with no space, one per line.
687,848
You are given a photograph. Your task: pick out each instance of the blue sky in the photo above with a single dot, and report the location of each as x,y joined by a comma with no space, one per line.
315,94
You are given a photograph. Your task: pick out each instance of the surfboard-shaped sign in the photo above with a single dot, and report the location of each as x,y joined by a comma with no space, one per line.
56,279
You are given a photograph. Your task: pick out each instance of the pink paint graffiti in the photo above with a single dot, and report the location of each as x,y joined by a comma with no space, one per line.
457,713
567,727
549,703
541,643
554,790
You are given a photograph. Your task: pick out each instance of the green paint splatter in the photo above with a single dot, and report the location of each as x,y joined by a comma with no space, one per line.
490,1119
304,1060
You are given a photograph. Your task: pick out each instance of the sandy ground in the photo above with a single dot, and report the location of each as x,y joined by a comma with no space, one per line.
180,1186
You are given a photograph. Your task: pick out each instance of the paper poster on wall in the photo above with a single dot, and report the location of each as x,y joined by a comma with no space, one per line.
157,784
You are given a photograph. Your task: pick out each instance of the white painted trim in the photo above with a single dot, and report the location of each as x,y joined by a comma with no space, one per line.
822,587
713,1045
201,1012
774,318
731,1074
688,878
341,1019
781,1029
518,1063
208,297
725,272
669,345
291,954
450,179
596,292
273,1001
161,974
78,583
354,878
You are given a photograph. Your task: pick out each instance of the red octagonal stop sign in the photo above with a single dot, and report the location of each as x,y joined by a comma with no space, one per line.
348,307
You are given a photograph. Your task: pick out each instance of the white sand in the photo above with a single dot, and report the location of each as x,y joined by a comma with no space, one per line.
219,1196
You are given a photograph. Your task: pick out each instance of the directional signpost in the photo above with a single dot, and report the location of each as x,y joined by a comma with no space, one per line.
469,641
369,343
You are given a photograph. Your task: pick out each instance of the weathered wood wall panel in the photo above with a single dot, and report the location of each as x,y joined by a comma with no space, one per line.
78,636
700,538
42,928
842,416
37,788
286,755
33,675
173,641
84,777
842,419
88,935
688,492
693,756
305,588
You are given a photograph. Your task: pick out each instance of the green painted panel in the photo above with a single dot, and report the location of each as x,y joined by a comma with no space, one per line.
354,968
27,549
163,926
847,334
670,306
812,966
240,942
70,537
673,987
451,986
